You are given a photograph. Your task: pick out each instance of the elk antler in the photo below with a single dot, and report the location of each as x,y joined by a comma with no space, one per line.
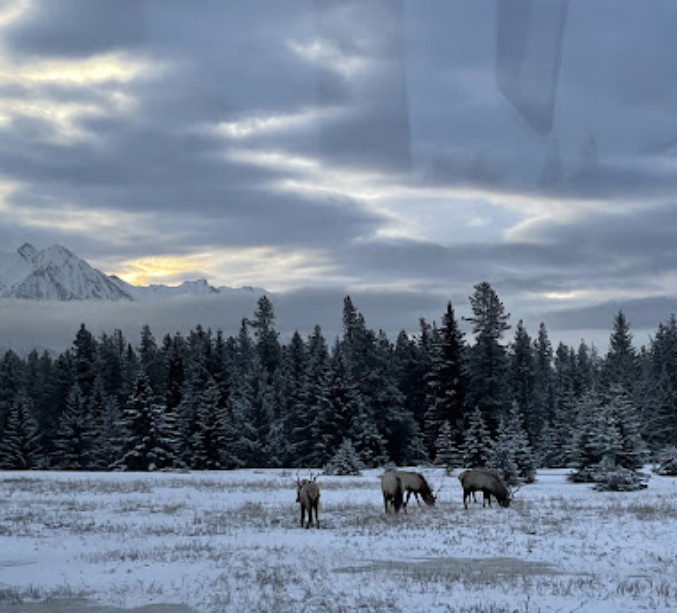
514,490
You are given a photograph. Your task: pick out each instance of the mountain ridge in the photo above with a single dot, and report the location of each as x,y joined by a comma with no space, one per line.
56,273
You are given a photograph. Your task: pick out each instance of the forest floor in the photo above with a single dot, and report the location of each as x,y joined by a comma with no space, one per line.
231,541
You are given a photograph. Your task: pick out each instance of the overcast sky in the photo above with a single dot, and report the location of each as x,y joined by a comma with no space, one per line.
398,151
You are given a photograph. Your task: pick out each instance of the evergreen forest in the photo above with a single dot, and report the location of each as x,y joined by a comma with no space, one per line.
496,396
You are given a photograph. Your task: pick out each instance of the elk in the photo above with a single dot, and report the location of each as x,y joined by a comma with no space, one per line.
308,496
393,491
416,484
486,481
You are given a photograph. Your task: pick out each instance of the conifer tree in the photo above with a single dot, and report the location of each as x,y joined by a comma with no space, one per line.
296,438
20,447
143,448
487,368
317,400
85,350
660,399
112,433
265,335
477,444
412,364
511,452
109,366
523,374
446,452
543,394
150,360
209,437
620,367
447,381
367,440
12,382
74,435
345,461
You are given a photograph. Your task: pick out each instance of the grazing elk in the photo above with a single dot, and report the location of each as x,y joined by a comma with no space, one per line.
308,496
393,491
415,483
486,481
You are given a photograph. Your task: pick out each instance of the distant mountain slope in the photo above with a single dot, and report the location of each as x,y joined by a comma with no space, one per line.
56,273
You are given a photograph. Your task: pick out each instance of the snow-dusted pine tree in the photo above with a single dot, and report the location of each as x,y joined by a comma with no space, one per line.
20,447
74,435
143,447
511,452
477,444
447,454
345,461
488,387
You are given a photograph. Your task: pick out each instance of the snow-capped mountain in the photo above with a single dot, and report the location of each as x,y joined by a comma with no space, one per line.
56,273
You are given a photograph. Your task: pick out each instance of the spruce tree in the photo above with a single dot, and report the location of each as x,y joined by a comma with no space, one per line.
209,437
522,376
447,381
150,360
620,367
660,400
265,335
488,388
345,461
74,435
139,416
447,454
85,350
477,444
20,447
511,453
542,411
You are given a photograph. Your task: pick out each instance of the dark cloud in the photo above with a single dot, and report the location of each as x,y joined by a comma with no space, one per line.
78,27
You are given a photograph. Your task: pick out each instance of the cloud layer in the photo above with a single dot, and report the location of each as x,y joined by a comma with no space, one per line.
386,146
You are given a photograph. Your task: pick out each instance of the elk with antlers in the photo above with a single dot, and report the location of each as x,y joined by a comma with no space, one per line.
486,481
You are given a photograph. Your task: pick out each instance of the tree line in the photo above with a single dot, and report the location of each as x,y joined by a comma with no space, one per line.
206,401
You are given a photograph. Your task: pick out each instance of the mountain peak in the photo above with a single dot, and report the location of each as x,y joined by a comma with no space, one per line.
27,251
56,273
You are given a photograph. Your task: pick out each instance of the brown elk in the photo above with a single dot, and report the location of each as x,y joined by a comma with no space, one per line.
393,491
416,484
486,481
308,496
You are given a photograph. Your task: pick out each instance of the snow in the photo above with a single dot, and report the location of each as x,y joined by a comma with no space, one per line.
55,273
231,541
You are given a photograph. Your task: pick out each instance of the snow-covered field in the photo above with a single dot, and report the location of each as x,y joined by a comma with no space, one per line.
231,541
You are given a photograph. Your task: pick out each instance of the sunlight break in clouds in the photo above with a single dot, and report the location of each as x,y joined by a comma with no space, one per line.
325,55
274,269
266,124
94,70
14,11
111,72
442,213
118,226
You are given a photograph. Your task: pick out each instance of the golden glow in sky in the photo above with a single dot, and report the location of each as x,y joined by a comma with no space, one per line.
274,269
